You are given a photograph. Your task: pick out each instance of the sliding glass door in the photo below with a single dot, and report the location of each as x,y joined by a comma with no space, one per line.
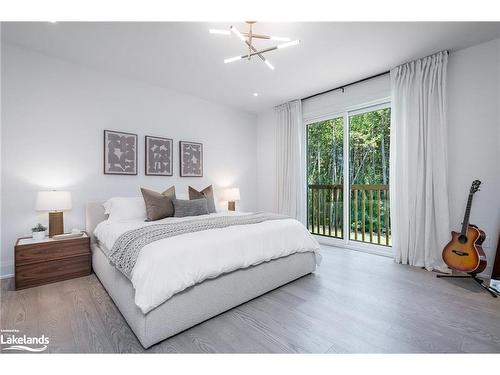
358,164
369,175
325,177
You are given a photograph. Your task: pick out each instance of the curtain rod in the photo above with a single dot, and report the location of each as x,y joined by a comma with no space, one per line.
359,81
346,85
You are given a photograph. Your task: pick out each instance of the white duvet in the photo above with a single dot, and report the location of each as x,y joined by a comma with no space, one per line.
170,265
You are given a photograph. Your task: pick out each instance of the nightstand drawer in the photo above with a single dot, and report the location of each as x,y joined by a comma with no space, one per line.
48,272
48,251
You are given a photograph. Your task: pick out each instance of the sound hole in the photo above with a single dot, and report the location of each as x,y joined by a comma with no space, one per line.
462,238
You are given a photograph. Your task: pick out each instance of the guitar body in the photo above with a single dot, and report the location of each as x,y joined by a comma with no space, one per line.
466,254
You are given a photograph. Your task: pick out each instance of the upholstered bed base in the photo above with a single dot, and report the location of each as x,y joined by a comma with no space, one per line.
198,303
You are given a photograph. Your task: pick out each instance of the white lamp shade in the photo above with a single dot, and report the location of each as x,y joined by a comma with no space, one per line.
231,194
53,200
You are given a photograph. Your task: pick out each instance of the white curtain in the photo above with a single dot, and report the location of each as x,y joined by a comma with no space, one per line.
418,172
290,169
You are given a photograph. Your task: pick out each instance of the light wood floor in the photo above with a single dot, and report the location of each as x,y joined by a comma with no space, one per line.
354,303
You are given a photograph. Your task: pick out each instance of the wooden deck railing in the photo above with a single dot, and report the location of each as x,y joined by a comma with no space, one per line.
325,210
369,212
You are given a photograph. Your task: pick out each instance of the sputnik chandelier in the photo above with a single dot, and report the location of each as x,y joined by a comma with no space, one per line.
248,39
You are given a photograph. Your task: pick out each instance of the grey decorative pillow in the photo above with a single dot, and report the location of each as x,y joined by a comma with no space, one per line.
192,207
208,193
158,206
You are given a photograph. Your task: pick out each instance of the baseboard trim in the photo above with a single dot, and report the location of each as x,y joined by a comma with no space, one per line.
364,248
336,242
6,270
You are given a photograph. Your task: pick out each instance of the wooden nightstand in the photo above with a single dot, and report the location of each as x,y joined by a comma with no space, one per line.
48,260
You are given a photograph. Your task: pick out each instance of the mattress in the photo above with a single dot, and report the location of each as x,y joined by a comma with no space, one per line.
169,265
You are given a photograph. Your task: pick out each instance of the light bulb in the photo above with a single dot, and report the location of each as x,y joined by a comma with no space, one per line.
269,64
238,34
231,59
219,31
289,44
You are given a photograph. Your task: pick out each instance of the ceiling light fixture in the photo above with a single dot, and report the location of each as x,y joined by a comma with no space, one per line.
271,66
255,94
248,38
231,59
220,32
238,34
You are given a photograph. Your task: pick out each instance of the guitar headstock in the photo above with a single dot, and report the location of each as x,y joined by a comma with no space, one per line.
475,186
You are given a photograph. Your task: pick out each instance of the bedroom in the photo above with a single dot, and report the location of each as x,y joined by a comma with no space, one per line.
121,140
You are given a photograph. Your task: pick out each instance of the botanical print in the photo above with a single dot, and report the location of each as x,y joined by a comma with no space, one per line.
158,156
191,159
120,153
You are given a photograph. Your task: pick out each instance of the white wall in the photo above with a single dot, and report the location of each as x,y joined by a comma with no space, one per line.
338,101
59,110
313,109
474,137
54,113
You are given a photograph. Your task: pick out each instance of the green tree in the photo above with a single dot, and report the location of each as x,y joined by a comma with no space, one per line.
369,151
368,155
325,152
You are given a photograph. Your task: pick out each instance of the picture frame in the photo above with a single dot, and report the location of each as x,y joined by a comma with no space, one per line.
190,159
158,156
120,153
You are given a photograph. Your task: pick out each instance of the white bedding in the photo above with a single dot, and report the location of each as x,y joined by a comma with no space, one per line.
170,265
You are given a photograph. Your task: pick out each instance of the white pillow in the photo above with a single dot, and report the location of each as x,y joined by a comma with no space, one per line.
107,206
125,209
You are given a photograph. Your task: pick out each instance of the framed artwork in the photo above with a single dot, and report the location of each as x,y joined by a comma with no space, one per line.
191,159
120,153
159,156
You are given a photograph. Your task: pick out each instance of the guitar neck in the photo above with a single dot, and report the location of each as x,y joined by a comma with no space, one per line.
465,223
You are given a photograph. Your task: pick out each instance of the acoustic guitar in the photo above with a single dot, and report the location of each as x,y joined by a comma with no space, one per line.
464,252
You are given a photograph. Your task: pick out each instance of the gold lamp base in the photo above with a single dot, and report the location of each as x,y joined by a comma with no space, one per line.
56,223
231,206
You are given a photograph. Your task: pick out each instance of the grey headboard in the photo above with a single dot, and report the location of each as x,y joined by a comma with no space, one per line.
94,215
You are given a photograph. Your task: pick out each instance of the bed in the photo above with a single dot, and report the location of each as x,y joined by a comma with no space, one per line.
195,303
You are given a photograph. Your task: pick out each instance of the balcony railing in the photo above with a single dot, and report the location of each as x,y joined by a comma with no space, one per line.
369,219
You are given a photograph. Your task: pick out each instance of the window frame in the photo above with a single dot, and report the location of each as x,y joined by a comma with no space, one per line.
306,154
345,242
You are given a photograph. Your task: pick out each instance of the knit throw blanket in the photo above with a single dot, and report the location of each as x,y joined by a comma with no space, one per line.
127,247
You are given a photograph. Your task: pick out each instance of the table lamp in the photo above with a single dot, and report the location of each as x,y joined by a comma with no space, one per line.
54,202
231,195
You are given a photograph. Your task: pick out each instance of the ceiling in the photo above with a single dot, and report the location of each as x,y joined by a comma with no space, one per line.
184,57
